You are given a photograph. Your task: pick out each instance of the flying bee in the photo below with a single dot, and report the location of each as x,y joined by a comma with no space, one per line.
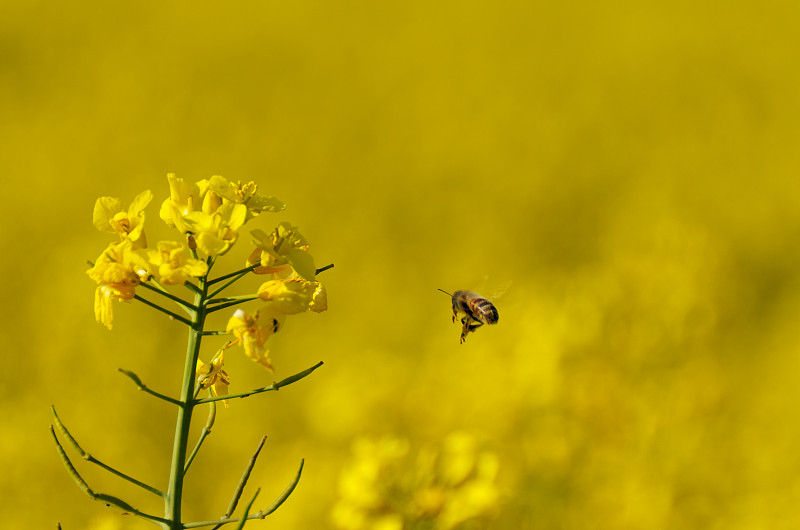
477,311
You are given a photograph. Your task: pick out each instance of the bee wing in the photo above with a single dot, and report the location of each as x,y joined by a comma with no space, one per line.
499,290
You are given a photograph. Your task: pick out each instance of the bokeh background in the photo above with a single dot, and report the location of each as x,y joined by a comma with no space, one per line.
632,168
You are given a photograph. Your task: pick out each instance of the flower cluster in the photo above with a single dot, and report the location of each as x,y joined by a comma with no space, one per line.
443,487
209,214
213,210
126,263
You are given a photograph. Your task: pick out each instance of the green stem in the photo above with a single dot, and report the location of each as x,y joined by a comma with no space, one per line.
212,414
234,273
174,497
258,515
228,284
163,292
231,304
237,493
237,298
274,386
106,499
141,386
167,311
323,269
89,458
192,287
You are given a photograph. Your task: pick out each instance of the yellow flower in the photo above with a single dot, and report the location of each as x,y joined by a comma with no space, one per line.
246,194
213,210
118,270
183,199
294,296
111,215
216,233
282,251
444,486
253,330
213,376
173,263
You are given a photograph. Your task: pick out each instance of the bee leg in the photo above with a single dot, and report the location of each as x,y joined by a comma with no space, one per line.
470,325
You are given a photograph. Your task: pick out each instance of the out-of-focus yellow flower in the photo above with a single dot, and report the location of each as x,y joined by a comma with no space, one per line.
446,485
212,376
111,215
467,476
106,522
117,271
173,263
295,295
213,210
253,330
281,252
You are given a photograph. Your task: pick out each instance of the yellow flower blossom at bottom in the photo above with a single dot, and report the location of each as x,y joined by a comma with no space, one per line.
441,487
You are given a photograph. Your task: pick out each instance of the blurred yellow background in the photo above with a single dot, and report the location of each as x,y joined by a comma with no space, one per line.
632,168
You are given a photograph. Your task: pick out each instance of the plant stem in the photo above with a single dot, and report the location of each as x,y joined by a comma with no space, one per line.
234,273
166,311
274,386
163,292
174,498
212,414
141,386
233,303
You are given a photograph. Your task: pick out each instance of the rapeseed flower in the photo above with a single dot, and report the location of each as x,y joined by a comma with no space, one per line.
295,295
441,487
173,264
111,215
213,377
280,253
253,330
213,210
117,271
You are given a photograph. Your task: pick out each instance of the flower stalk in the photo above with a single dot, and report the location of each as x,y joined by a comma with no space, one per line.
172,509
209,215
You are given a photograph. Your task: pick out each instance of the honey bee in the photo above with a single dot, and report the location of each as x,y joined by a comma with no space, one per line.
477,311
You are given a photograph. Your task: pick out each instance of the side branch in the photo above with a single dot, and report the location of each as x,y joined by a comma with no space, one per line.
234,273
238,299
258,515
274,386
166,311
231,304
107,499
237,493
89,458
212,415
163,292
141,386
323,269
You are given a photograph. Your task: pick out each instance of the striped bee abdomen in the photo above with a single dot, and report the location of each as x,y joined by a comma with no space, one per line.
483,310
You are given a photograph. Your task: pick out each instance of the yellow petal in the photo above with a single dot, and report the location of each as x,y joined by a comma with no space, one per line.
104,210
103,310
139,203
302,263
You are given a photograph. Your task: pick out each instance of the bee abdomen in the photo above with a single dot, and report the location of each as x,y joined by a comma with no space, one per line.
483,310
